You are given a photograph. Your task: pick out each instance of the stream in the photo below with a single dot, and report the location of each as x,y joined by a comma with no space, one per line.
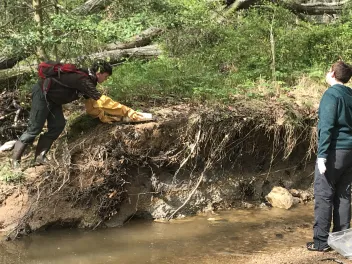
236,233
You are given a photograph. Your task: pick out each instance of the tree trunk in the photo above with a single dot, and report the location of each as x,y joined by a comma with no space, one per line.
142,39
6,13
240,4
316,8
38,18
57,11
114,56
9,62
298,6
91,6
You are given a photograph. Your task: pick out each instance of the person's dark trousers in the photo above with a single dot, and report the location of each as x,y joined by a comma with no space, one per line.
43,110
332,193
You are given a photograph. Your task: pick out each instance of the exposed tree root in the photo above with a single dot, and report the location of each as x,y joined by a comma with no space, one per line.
91,171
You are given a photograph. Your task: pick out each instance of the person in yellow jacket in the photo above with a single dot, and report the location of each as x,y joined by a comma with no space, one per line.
108,111
48,97
63,88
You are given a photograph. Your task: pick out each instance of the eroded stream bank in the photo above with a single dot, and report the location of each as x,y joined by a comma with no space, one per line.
191,160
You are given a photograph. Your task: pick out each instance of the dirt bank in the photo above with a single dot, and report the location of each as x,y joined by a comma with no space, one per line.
194,158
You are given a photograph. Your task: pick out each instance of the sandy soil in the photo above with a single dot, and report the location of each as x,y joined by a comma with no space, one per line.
296,255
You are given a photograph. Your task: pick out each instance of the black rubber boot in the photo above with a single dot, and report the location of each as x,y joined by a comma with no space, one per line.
18,151
43,147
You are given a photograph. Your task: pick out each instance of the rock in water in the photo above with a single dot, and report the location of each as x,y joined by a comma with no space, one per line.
280,197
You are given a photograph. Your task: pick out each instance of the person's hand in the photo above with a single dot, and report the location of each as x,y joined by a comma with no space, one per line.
321,165
135,116
138,116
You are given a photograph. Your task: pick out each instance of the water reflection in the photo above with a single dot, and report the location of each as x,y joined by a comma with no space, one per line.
230,233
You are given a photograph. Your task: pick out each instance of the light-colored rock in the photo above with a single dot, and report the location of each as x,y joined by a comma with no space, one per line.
263,205
294,192
8,146
215,219
280,197
306,196
247,205
296,200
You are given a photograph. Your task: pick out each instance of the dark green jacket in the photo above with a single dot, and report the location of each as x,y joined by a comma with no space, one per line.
335,120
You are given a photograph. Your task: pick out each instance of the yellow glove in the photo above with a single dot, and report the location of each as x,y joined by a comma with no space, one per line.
134,116
107,110
97,112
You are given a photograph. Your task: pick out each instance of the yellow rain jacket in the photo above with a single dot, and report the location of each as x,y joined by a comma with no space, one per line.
108,111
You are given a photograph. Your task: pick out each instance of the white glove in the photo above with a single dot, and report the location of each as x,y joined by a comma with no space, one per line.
321,165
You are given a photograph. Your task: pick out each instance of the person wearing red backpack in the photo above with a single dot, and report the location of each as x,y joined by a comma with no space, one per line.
58,85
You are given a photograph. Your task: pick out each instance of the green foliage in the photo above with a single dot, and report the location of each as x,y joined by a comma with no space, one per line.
170,78
7,174
203,58
80,35
73,36
162,13
196,54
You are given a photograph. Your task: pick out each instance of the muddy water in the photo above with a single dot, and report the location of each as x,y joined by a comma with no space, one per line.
234,233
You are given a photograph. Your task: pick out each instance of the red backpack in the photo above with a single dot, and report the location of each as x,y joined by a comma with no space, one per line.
49,69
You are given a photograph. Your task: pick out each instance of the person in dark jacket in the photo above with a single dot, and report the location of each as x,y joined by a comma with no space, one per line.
47,107
333,175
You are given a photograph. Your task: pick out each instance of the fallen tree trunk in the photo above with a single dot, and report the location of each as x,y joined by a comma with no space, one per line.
240,4
314,8
114,56
91,6
146,52
9,62
142,39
